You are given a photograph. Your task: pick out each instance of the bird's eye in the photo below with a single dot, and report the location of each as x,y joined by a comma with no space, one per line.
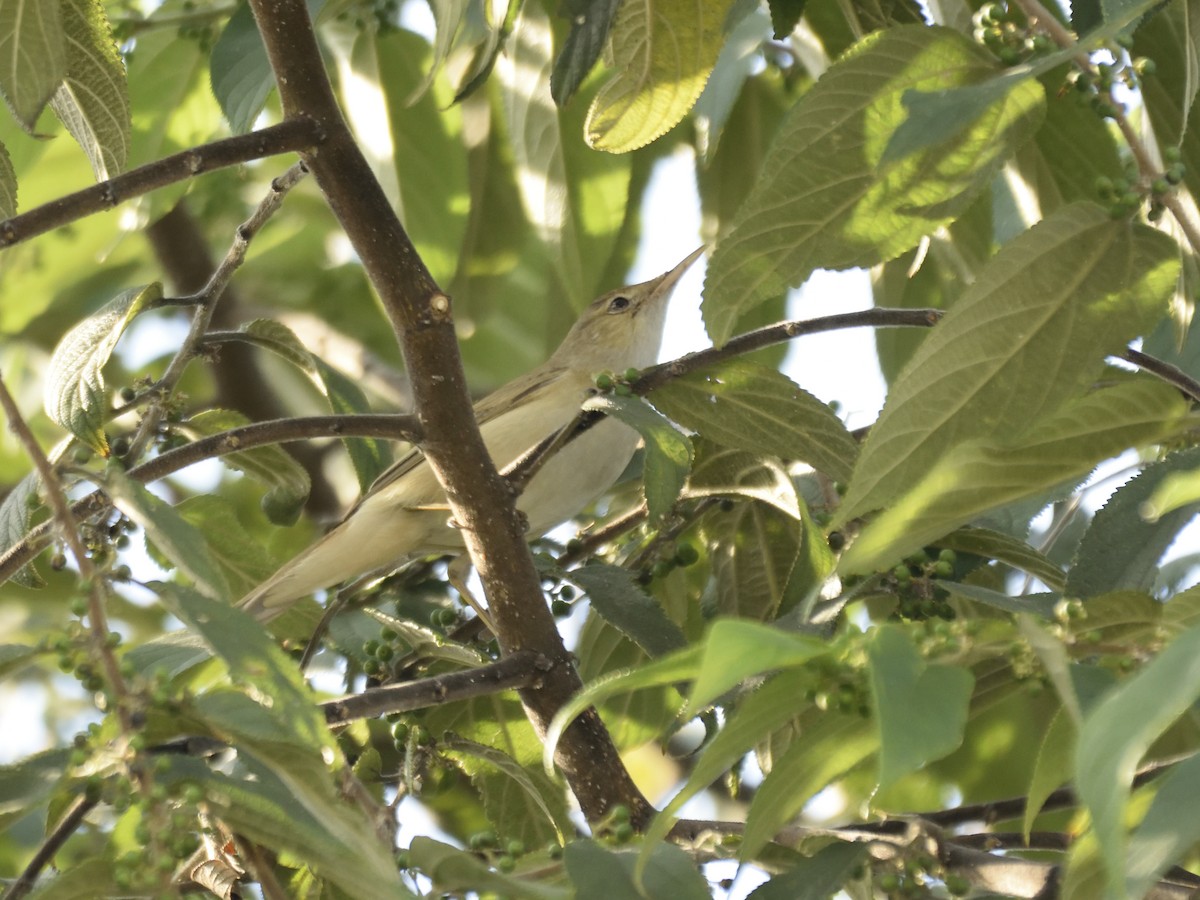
618,304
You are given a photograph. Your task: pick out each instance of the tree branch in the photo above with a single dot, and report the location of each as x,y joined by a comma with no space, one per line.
286,137
479,498
71,819
517,670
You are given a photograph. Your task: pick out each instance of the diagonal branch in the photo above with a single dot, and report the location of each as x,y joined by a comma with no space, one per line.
286,137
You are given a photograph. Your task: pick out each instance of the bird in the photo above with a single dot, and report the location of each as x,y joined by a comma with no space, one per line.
404,514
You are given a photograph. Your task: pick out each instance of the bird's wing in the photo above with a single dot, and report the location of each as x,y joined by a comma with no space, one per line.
501,399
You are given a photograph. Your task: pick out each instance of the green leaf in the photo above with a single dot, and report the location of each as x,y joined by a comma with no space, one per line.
8,185
1053,769
536,795
663,52
241,74
985,474
16,517
833,744
177,539
996,545
1118,732
93,100
454,870
826,198
29,782
1168,831
75,395
1042,605
755,717
724,472
369,456
921,708
617,597
1031,332
738,60
735,650
754,550
599,873
297,810
740,404
33,56
817,878
667,670
243,561
269,465
785,15
428,158
1121,549
591,21
574,198
669,452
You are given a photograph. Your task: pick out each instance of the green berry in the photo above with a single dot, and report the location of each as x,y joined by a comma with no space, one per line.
560,609
128,394
566,592
505,863
1171,154
604,381
686,555
632,373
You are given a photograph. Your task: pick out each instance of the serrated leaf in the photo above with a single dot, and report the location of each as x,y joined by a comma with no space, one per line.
663,52
539,797
740,404
93,100
669,453
240,72
920,708
726,472
33,56
1117,734
1037,604
754,549
826,199
591,21
834,745
985,474
785,15
16,516
244,561
269,465
1032,331
178,540
8,185
1007,549
599,873
75,394
1121,549
617,597
454,870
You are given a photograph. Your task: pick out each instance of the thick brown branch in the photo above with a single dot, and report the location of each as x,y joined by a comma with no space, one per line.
287,137
479,498
67,825
517,670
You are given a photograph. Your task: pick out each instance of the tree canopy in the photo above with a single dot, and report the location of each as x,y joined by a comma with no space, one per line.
250,249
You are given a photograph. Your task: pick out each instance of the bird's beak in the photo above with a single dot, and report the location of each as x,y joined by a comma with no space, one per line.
667,280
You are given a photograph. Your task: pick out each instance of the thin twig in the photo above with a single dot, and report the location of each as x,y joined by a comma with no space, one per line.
70,821
205,301
286,137
68,527
517,670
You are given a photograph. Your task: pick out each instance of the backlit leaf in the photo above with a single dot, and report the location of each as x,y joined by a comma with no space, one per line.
33,56
75,394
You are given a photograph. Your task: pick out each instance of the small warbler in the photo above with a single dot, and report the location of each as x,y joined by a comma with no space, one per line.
405,515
